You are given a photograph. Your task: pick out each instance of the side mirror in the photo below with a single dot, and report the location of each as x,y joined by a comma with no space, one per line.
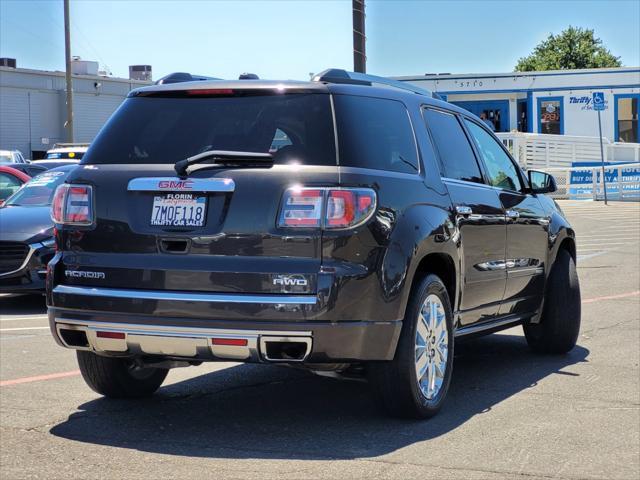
541,182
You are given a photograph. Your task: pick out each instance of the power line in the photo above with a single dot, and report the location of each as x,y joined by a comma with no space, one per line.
84,43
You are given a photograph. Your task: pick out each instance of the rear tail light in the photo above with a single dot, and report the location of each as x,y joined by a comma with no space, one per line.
302,207
328,208
72,205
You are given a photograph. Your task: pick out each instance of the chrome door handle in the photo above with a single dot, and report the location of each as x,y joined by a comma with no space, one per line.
463,210
513,214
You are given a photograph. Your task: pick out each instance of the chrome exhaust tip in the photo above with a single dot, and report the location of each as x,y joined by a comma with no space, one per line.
285,349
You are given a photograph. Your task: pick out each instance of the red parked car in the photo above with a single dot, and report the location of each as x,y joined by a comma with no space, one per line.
10,181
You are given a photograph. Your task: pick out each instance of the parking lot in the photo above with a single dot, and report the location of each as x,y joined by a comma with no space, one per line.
509,414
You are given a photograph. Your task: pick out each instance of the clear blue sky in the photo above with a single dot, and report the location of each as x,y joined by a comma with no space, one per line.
290,39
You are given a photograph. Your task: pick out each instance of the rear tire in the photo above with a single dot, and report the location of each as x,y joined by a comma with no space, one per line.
559,324
117,377
396,383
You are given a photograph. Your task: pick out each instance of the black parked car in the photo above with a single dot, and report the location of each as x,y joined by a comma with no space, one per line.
382,226
26,233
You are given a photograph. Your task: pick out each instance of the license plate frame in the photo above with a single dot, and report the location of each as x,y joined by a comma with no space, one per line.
180,210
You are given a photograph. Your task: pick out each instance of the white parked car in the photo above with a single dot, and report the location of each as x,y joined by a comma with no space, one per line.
12,156
63,154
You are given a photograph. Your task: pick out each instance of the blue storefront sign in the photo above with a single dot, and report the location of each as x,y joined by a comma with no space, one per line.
582,181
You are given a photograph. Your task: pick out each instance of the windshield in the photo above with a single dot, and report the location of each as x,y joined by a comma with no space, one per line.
39,190
5,157
295,128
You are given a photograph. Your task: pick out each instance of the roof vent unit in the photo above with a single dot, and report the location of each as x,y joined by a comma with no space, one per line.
140,72
84,67
179,77
8,62
248,76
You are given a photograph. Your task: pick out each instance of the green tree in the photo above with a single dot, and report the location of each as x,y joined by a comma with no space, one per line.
574,47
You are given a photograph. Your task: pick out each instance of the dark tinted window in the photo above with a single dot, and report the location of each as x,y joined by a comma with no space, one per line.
167,129
501,170
375,133
454,150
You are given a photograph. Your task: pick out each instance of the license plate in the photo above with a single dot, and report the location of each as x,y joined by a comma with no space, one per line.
179,210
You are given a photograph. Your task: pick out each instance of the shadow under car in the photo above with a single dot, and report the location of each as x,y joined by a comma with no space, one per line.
269,412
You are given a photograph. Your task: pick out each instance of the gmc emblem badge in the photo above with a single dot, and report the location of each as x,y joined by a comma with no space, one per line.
176,184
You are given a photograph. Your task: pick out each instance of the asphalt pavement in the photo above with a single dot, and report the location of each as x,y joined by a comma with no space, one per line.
510,413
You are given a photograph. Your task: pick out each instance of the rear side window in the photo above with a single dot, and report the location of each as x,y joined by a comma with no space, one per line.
295,128
455,152
375,133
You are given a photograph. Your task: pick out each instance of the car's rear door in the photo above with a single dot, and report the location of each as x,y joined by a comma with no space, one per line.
479,217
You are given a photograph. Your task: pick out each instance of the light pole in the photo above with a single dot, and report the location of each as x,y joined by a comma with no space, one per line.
67,53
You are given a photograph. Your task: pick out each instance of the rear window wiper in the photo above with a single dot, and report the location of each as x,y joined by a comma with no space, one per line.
222,156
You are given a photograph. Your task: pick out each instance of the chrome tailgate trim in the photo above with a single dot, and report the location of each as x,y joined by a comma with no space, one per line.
186,296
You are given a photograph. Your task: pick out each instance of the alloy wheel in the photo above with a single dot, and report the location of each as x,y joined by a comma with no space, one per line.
431,347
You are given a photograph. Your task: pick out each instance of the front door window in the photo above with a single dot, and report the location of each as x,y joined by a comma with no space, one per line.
502,171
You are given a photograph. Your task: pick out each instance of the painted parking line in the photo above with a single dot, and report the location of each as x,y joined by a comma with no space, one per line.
611,297
39,378
603,243
23,319
587,256
606,236
19,329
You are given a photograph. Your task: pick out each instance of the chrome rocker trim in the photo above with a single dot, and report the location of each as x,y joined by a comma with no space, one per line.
182,342
490,325
186,296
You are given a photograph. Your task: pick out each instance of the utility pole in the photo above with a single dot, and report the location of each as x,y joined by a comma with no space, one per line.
359,39
67,53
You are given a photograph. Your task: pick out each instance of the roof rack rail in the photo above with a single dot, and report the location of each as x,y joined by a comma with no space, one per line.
179,77
338,75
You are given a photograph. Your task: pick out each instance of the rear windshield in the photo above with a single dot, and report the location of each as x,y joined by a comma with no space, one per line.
294,128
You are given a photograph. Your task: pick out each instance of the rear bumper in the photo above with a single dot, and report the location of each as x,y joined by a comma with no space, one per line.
198,339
